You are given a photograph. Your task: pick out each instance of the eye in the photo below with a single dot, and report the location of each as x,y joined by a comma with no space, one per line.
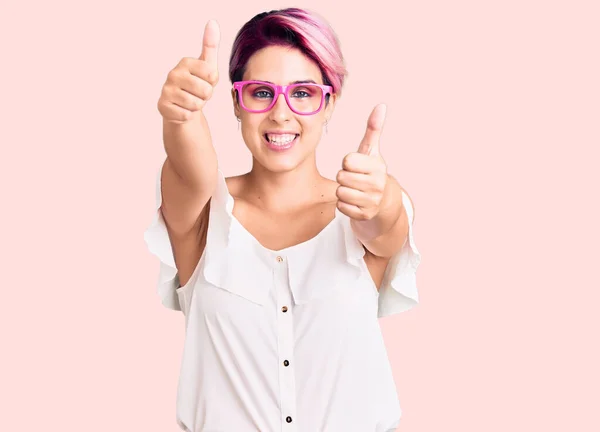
263,94
305,91
301,94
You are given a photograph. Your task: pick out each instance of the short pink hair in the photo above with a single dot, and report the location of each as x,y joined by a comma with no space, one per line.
291,27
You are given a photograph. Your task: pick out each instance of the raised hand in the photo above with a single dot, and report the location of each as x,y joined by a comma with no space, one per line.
363,176
191,83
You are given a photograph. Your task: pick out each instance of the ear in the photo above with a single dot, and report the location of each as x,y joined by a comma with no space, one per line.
330,106
236,105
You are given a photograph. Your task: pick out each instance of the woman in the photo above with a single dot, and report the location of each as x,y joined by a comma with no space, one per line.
281,273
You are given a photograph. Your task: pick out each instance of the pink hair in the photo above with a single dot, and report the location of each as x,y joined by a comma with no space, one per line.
292,27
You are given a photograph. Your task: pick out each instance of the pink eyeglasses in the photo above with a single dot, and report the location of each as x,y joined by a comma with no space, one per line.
304,98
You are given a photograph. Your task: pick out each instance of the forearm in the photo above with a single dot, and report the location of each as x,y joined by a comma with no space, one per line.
190,150
385,234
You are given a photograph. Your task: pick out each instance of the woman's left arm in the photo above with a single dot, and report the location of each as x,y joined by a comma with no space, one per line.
371,197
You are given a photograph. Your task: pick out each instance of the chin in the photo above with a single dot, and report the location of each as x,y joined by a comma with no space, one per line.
279,164
277,159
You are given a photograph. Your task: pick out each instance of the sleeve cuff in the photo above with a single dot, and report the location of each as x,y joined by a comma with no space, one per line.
398,291
157,240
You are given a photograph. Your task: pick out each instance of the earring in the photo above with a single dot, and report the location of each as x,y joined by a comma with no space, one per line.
326,122
239,121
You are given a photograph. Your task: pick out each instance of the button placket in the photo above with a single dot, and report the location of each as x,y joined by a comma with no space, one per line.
285,340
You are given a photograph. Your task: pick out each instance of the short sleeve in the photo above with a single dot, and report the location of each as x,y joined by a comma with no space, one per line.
157,240
398,291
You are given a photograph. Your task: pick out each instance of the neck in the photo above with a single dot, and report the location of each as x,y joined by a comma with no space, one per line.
287,190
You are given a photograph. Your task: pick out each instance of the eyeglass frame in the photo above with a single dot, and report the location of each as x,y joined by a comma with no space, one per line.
281,89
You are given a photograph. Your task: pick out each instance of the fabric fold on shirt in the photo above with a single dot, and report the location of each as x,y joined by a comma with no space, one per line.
398,291
157,240
227,262
336,266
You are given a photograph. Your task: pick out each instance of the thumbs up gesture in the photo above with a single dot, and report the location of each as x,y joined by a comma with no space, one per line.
363,177
191,83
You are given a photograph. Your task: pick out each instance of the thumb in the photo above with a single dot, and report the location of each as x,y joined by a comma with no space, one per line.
370,142
210,43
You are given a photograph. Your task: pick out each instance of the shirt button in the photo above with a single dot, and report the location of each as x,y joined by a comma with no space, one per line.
279,259
284,309
286,363
288,419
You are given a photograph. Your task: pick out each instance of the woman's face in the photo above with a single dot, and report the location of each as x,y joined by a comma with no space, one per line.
282,65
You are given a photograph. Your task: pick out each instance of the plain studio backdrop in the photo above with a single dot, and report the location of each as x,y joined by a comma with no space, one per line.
492,127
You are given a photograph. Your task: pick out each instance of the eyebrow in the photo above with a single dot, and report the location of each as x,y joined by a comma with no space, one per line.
309,81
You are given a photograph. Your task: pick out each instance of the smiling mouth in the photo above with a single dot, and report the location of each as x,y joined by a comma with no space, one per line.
281,139
280,142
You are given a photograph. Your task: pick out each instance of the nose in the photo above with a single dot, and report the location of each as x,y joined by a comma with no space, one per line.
280,112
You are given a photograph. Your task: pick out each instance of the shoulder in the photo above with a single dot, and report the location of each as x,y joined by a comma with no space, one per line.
330,188
235,184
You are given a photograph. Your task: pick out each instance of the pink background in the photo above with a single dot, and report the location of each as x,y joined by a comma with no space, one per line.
493,126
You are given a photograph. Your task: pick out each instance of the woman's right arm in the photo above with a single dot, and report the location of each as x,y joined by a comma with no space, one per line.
189,174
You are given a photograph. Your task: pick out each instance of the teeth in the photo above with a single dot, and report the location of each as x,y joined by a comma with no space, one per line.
281,139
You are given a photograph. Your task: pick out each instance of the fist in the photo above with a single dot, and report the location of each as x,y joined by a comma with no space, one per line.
190,84
363,176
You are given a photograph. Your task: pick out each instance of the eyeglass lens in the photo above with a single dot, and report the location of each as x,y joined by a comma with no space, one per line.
303,98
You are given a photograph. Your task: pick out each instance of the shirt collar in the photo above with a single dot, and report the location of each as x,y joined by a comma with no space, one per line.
235,261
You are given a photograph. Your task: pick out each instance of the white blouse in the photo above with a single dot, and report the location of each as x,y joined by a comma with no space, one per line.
284,340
